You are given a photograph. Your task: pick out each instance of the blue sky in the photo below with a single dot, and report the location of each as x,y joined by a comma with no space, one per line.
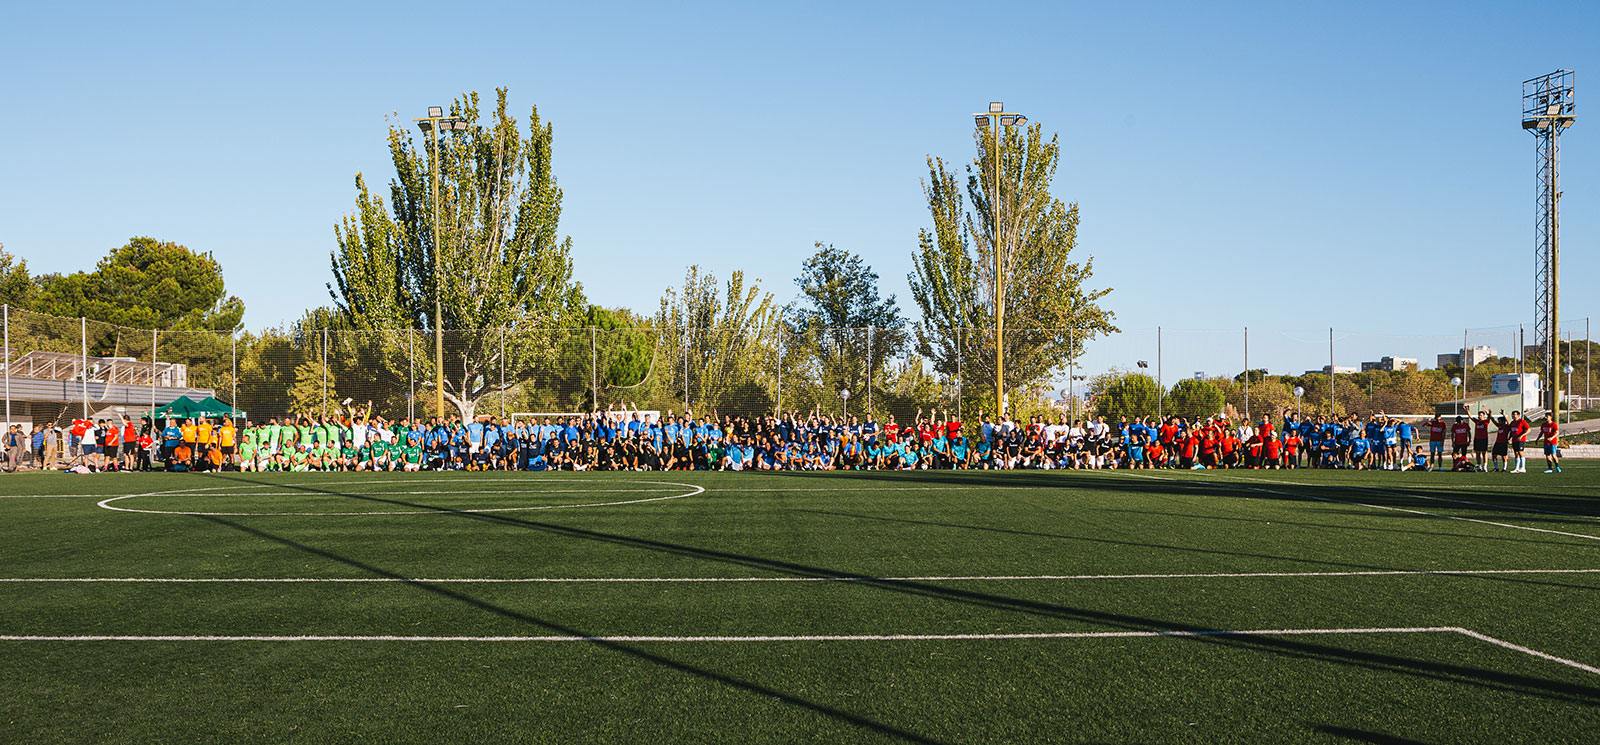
1283,166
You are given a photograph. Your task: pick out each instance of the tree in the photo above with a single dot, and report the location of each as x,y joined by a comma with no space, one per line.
842,332
1118,394
1050,312
16,286
505,277
148,284
1193,399
725,333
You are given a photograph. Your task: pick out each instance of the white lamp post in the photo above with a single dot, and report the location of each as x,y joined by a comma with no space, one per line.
845,394
1456,382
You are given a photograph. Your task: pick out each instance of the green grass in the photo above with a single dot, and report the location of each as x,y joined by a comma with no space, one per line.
880,531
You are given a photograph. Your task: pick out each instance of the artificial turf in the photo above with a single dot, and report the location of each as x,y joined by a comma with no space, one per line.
914,553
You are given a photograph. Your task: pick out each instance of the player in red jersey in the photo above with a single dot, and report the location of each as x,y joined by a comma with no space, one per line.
1519,440
1436,429
1460,436
1549,433
1480,439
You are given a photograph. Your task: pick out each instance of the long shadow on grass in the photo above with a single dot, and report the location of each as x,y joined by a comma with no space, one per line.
1373,567
1285,646
561,629
1531,507
1375,738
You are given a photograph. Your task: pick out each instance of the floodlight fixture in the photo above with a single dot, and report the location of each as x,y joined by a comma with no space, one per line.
436,111
996,107
462,124
1006,121
981,120
425,125
1021,120
1143,364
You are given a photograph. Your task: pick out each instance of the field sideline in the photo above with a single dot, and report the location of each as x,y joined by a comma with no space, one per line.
925,607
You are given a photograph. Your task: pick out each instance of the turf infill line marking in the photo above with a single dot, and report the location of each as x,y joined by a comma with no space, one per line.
709,580
106,503
1529,651
1246,484
861,637
783,638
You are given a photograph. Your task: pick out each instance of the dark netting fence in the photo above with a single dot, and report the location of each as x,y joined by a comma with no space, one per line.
60,369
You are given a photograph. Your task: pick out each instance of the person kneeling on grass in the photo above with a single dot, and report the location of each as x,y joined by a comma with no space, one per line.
1463,463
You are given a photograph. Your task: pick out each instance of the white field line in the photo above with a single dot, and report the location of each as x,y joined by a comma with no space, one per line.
796,638
1247,485
711,580
768,638
1529,651
800,638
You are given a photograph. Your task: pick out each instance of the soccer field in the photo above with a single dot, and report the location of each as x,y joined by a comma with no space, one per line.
1148,607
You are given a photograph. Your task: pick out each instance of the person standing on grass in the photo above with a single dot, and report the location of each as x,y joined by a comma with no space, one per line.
1550,435
130,444
1480,439
1519,440
1436,430
1460,434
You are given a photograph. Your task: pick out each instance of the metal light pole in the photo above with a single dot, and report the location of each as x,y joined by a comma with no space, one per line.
845,394
1548,109
1298,392
991,122
432,123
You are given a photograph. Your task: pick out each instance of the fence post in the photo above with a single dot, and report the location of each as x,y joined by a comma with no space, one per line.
8,362
961,377
1161,388
155,337
502,372
83,337
869,375
685,369
324,375
1331,398
779,403
411,373
233,351
1247,374
594,367
1465,339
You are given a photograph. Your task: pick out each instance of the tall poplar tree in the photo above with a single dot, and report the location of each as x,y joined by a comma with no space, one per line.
505,275
1049,311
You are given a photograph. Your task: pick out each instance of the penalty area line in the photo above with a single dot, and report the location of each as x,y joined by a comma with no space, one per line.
711,580
635,639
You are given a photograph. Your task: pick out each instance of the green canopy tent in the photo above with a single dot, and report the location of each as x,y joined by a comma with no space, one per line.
212,408
182,407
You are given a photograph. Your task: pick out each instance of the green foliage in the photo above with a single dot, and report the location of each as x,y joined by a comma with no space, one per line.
1194,399
1118,394
954,279
145,283
17,288
728,333
841,334
501,263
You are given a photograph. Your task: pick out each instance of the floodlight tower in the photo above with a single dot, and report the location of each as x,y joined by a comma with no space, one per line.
1547,110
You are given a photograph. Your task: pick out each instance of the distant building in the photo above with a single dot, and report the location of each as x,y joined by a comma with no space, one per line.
58,387
1337,370
1474,356
1390,364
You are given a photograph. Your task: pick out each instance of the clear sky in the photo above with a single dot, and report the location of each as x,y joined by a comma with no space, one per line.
1283,166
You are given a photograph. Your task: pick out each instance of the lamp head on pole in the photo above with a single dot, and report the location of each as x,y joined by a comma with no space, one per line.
1299,391
1455,381
844,394
436,111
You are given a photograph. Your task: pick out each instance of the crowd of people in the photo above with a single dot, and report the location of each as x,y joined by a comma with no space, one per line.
632,440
